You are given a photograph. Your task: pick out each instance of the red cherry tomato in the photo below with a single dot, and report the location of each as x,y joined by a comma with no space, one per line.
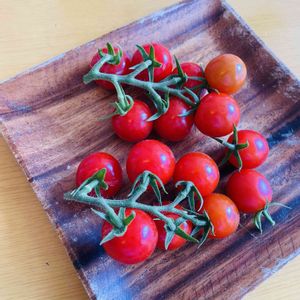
177,241
133,127
250,190
226,73
97,161
223,214
138,242
153,156
255,154
121,69
171,125
216,115
200,169
193,70
162,55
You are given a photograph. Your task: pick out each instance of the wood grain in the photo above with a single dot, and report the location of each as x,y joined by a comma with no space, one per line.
48,102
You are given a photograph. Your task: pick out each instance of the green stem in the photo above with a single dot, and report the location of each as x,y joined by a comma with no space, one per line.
143,66
140,190
82,197
166,87
90,76
120,93
129,80
233,149
108,204
181,196
230,146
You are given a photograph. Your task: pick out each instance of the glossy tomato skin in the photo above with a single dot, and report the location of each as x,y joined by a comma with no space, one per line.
216,115
162,55
250,190
223,214
97,161
133,127
255,154
153,156
171,126
226,73
199,168
121,69
177,241
138,242
191,69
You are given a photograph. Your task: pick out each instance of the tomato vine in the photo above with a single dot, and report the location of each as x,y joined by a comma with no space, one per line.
139,187
167,86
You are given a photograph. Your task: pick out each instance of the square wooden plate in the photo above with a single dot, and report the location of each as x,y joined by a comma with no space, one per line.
50,121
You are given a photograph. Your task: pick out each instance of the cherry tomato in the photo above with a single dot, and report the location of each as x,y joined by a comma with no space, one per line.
153,156
223,214
216,115
133,127
255,154
191,69
171,125
250,190
226,73
121,69
200,169
162,55
95,162
138,242
177,241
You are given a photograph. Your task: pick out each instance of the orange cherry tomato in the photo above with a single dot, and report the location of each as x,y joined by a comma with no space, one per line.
226,73
223,214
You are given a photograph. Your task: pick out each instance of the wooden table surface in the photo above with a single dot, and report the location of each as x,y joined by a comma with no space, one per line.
33,263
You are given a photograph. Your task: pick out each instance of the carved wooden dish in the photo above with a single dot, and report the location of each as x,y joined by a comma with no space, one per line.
50,121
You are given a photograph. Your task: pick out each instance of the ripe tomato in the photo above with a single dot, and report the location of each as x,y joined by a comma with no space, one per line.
223,214
200,169
133,127
250,190
153,156
226,73
138,242
170,125
216,115
255,154
162,55
121,69
193,70
177,241
95,162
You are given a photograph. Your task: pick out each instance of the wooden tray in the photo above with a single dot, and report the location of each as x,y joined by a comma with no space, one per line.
49,119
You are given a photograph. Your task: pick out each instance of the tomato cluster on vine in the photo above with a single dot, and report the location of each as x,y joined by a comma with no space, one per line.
216,115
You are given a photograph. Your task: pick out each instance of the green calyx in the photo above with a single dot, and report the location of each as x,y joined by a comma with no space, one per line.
95,182
233,149
265,213
181,74
170,234
209,228
120,221
188,191
184,78
115,57
116,231
149,57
